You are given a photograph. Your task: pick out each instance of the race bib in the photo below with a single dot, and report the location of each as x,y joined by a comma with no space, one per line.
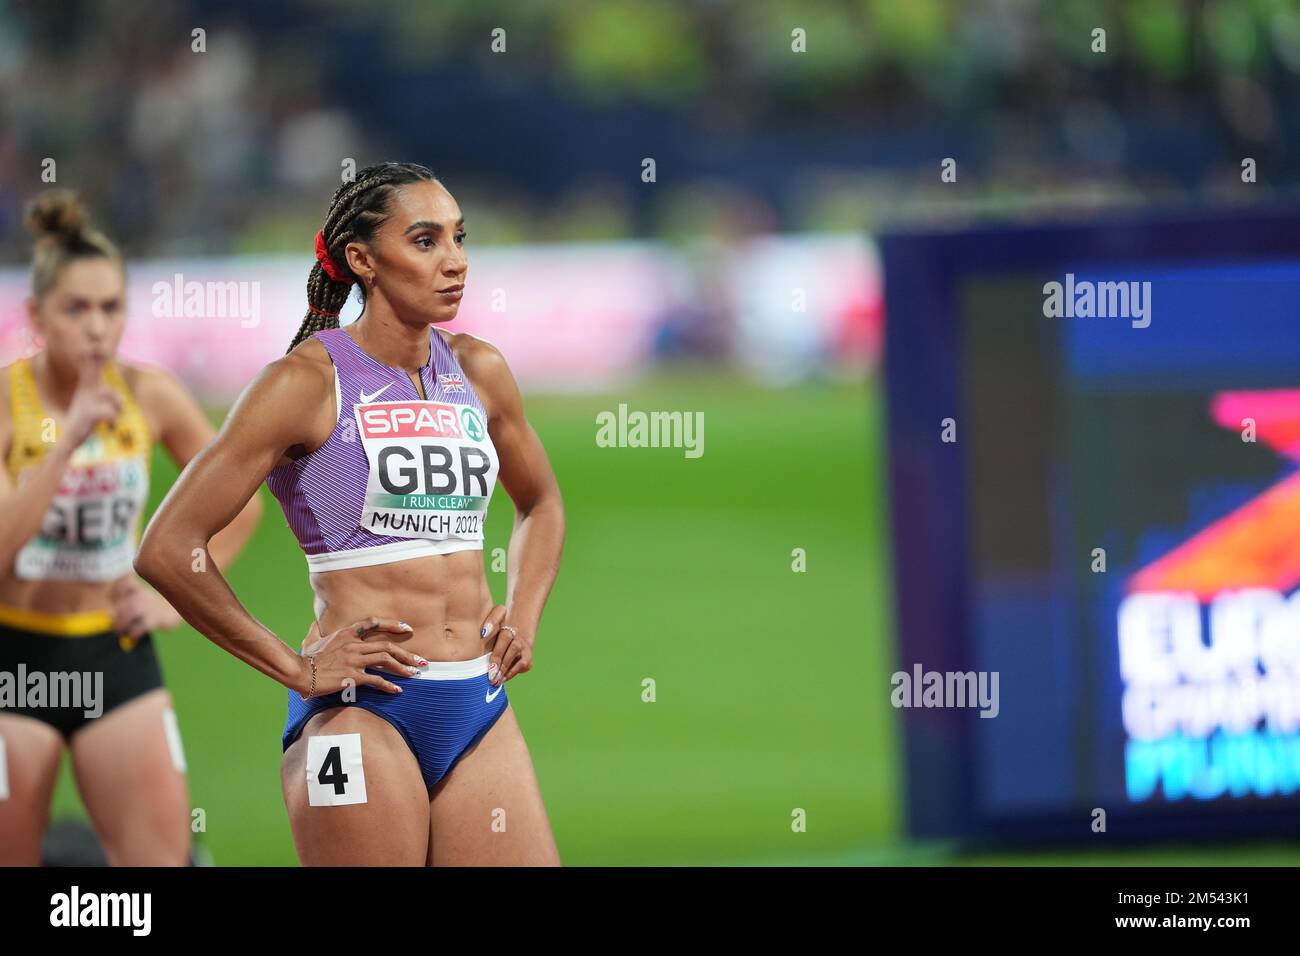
89,529
432,468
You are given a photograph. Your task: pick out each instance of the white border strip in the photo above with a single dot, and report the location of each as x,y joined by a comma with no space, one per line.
454,670
173,731
387,553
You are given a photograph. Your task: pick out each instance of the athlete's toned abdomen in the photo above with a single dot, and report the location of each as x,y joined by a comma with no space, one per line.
54,597
443,597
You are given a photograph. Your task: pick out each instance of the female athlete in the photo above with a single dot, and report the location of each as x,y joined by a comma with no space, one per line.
77,428
382,442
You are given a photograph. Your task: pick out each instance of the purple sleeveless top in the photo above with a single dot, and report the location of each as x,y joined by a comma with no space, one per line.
400,476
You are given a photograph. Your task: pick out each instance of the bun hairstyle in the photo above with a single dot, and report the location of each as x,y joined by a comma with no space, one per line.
357,210
62,230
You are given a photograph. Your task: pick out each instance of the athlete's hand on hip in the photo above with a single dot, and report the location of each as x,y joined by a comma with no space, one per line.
138,609
344,655
512,651
92,402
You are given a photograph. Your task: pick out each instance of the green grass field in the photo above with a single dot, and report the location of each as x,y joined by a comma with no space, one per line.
678,570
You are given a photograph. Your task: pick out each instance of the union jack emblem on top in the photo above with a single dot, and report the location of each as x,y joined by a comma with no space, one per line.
451,382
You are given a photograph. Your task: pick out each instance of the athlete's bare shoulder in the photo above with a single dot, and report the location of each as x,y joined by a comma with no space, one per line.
303,375
487,370
290,402
153,387
477,357
6,413
307,360
467,347
159,394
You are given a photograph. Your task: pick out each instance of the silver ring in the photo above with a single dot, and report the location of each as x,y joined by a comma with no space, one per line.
507,627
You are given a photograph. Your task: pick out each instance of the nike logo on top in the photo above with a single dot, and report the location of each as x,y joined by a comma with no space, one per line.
364,399
493,695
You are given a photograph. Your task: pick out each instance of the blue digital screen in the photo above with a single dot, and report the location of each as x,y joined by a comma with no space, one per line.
1111,526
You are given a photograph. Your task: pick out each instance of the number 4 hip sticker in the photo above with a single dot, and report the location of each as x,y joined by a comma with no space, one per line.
334,773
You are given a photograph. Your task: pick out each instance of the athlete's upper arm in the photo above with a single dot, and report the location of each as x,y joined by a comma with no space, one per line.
525,471
6,432
279,409
182,427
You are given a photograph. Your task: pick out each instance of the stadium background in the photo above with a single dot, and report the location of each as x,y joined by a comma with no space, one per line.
772,685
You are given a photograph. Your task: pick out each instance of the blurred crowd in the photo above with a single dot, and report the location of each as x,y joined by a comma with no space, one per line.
230,140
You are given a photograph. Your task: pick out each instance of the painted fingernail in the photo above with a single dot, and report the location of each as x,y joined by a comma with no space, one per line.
423,662
413,670
486,628
492,673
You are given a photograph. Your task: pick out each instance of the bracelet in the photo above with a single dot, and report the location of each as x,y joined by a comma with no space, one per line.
311,692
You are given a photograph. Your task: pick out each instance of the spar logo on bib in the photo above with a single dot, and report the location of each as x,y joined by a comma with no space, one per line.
409,419
431,469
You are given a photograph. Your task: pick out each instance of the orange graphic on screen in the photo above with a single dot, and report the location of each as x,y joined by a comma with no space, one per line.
1258,544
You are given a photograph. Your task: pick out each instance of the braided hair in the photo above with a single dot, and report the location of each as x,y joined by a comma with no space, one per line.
357,210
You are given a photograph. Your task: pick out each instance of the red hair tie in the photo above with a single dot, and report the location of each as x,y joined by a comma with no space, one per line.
329,265
332,315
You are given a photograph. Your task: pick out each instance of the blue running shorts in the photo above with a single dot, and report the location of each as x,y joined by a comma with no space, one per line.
440,713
